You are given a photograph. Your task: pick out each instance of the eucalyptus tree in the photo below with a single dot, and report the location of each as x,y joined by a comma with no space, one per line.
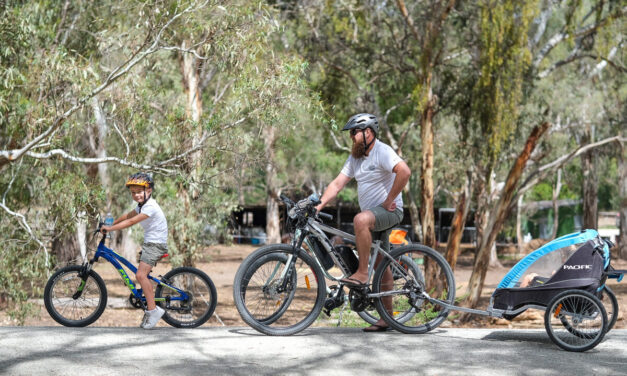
52,71
68,68
532,99
385,58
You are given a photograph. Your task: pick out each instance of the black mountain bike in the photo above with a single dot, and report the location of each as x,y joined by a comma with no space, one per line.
280,289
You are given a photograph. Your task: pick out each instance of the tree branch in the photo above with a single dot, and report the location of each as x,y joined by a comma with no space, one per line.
410,22
595,71
7,156
201,143
344,71
63,154
536,176
337,142
559,37
22,219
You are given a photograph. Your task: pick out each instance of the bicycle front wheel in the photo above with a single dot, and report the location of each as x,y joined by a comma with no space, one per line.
277,295
201,299
70,301
425,273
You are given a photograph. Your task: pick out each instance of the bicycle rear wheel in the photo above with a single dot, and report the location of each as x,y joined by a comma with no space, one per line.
411,311
575,320
201,302
370,314
72,302
274,298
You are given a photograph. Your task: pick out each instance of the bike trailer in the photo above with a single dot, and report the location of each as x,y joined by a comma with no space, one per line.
574,261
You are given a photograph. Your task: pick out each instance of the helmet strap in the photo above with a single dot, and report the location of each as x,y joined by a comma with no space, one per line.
145,199
366,145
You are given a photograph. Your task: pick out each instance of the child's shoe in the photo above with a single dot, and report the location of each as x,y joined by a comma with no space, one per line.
151,318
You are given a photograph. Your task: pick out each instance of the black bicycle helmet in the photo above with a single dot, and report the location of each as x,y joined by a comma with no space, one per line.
362,121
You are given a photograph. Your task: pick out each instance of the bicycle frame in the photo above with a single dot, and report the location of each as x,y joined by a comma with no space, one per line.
115,259
319,230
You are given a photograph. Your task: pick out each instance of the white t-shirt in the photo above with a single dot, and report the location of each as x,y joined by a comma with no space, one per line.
155,226
374,175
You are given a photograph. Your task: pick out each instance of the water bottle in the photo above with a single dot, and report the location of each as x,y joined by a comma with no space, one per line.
108,222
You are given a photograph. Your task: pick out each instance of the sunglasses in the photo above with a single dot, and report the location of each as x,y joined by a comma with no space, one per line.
354,131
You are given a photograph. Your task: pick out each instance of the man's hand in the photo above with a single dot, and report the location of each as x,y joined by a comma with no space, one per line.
105,229
389,206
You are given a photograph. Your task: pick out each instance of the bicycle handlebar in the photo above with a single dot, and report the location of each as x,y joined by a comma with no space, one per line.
304,208
325,215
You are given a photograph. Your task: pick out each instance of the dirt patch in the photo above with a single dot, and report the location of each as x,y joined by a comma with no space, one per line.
224,261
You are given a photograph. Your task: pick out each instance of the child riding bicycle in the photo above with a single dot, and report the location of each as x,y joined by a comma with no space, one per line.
151,217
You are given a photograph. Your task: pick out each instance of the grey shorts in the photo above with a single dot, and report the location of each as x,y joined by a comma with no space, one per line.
385,220
152,252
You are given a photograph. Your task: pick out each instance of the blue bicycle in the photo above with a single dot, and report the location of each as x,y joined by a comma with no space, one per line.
76,295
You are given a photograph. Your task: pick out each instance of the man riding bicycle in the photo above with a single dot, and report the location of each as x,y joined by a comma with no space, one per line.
381,176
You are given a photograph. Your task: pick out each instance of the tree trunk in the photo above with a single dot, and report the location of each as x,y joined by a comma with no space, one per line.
414,215
622,186
459,222
519,235
426,178
556,193
65,248
483,188
590,188
273,231
190,72
190,68
100,150
498,216
494,259
81,234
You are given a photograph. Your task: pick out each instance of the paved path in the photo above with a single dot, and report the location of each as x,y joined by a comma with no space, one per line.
316,351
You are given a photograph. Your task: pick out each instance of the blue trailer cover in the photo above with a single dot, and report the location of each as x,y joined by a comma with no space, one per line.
521,267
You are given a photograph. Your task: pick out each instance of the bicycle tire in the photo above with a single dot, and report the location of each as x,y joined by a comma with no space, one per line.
260,262
371,316
439,283
80,311
257,292
612,315
581,317
189,313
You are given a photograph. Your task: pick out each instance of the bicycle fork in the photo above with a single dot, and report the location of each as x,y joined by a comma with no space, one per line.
84,274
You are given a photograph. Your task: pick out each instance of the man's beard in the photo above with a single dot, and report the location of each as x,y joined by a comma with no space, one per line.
359,150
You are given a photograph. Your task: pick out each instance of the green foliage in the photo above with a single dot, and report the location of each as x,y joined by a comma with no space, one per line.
298,69
503,60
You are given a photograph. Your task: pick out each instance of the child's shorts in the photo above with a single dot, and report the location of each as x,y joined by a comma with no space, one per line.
152,252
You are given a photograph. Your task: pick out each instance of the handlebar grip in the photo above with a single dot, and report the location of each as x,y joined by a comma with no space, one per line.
325,216
286,200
